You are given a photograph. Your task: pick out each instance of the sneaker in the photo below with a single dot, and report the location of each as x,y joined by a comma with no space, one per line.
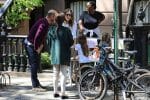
44,87
64,97
38,89
56,95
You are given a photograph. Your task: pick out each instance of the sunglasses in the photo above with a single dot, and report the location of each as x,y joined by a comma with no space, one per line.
68,14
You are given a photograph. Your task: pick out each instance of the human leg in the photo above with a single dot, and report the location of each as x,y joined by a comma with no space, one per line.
69,71
56,71
63,72
97,31
34,63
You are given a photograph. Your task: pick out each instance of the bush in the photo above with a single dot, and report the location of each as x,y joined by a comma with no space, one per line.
45,60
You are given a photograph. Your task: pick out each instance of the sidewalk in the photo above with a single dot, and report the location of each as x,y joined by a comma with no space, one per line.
20,88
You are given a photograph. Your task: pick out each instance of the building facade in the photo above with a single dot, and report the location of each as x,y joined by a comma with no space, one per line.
104,6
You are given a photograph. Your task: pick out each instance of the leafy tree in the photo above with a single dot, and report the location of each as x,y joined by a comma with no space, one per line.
19,11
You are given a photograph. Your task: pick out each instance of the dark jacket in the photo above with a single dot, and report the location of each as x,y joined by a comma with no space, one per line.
38,33
60,41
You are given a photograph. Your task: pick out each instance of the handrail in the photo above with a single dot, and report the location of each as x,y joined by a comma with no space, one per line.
16,36
4,7
13,55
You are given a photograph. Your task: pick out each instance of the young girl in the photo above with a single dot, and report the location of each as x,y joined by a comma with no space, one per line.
106,42
82,49
60,40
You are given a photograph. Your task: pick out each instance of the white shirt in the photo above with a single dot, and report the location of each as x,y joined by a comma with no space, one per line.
96,30
73,29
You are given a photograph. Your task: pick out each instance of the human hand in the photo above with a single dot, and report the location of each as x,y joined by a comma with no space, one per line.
81,30
39,49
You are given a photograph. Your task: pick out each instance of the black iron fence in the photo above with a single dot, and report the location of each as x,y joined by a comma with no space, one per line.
13,55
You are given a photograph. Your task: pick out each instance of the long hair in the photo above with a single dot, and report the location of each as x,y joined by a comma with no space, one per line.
71,21
83,42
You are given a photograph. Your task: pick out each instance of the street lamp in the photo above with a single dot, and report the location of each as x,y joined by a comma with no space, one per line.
141,14
3,31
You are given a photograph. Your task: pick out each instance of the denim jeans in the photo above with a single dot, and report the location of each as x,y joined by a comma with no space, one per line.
34,61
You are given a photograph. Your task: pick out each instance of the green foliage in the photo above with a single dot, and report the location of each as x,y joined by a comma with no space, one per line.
45,60
19,11
1,5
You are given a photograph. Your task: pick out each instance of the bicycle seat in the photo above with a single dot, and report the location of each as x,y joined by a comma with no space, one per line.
120,58
124,70
131,52
128,39
123,58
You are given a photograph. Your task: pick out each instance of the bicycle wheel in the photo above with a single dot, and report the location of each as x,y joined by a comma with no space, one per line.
85,68
144,92
92,86
137,73
74,73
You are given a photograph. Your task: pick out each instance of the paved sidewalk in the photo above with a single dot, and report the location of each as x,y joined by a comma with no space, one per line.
20,88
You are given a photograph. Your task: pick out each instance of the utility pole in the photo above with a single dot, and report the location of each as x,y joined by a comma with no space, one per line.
120,19
115,31
116,23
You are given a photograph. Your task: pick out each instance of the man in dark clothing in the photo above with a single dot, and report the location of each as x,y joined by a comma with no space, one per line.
90,20
34,44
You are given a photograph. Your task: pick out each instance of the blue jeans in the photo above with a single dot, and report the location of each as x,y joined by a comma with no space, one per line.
34,61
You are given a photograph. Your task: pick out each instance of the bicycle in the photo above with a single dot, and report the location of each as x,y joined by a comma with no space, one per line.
94,83
77,69
144,81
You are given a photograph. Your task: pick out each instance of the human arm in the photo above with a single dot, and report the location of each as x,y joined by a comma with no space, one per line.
74,30
101,17
40,49
81,28
40,36
80,22
70,40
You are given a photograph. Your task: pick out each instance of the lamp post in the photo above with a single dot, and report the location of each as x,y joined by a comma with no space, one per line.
116,34
3,30
115,31
3,33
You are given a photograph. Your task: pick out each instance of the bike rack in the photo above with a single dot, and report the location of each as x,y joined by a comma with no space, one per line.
4,79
